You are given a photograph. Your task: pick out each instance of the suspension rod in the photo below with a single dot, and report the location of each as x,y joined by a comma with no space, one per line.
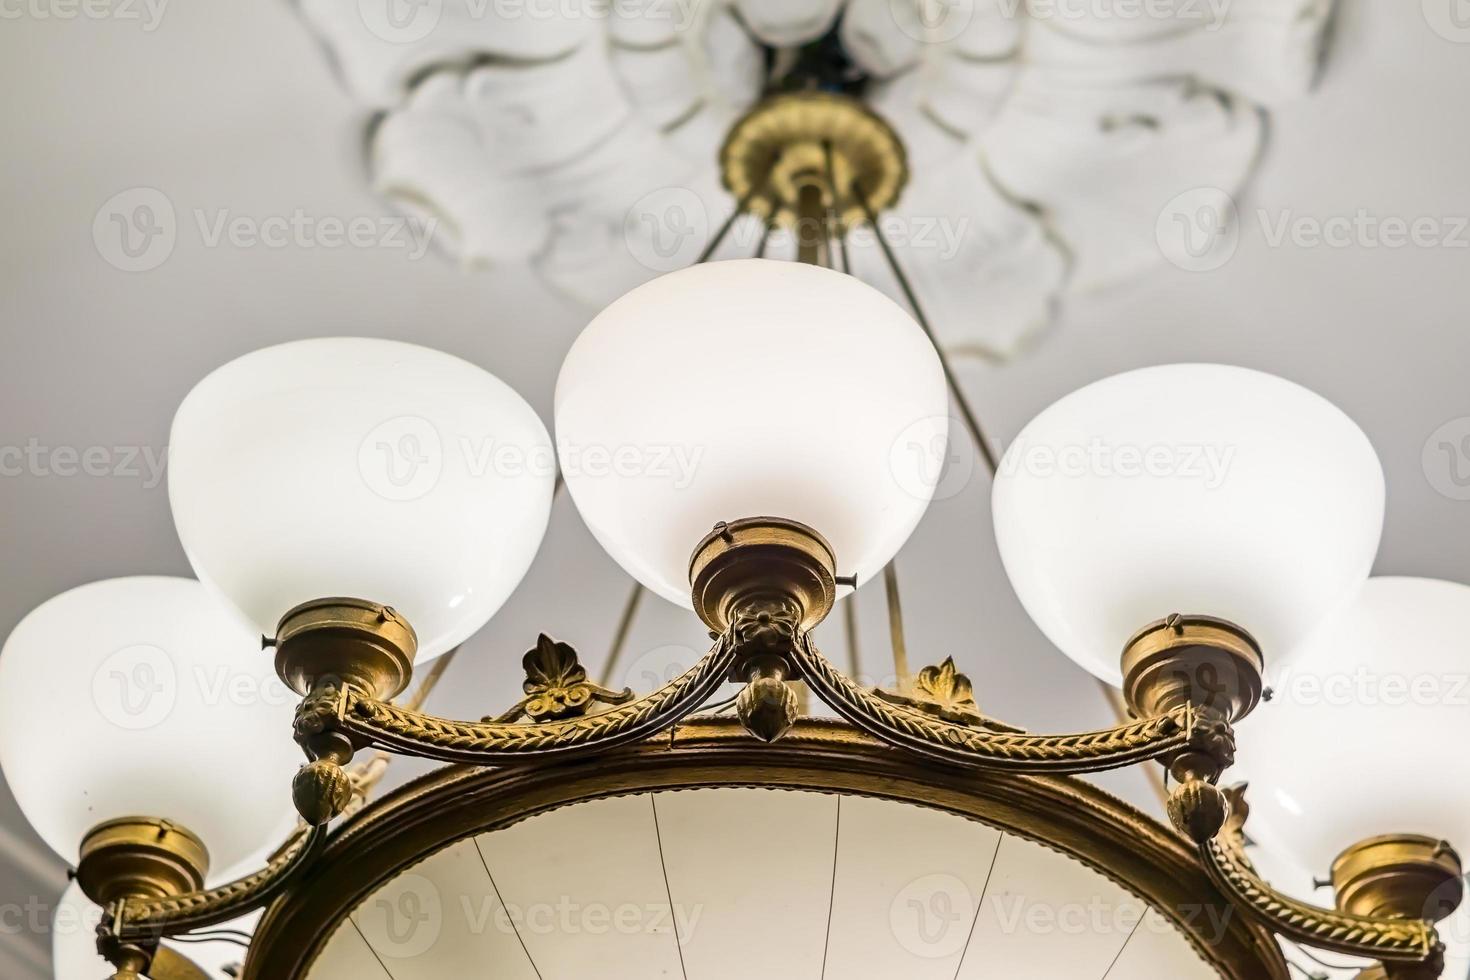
982,444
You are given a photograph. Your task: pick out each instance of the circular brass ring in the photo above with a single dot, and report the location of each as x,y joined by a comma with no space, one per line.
1068,815
140,857
354,641
1189,659
1399,876
780,147
762,557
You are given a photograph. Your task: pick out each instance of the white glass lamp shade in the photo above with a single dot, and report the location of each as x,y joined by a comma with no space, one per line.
1367,731
1186,488
749,388
74,942
146,697
363,468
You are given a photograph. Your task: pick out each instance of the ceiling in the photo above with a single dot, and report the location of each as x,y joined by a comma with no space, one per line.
230,110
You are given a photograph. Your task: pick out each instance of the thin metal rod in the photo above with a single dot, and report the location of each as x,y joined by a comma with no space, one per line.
811,220
850,631
895,627
724,230
760,250
426,686
620,638
971,422
834,223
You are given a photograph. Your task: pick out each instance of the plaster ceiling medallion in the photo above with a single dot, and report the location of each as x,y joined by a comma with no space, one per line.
1047,139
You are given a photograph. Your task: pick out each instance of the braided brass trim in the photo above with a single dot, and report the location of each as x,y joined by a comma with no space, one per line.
133,919
1399,940
970,745
1388,940
1066,815
387,726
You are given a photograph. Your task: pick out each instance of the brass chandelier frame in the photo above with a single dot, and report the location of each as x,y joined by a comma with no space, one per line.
804,160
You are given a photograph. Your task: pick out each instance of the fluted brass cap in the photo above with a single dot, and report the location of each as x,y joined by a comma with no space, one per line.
760,557
354,641
140,857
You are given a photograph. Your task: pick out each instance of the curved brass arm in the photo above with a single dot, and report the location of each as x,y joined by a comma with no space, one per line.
983,744
1391,940
135,919
554,680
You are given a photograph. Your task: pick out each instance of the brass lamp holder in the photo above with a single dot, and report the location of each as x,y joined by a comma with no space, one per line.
345,641
1399,876
140,857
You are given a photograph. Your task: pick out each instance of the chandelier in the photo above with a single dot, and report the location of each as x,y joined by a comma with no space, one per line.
368,505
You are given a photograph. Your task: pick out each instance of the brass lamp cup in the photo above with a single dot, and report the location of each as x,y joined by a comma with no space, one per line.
140,857
1399,876
762,558
1200,661
352,641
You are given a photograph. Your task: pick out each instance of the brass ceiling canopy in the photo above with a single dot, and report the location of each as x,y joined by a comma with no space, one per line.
813,153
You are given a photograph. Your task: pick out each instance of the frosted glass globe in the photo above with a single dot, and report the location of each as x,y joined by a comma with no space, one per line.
750,388
146,697
1366,732
1188,488
363,468
74,942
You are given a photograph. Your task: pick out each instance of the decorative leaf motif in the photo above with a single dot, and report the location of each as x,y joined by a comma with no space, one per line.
946,687
944,692
550,665
556,685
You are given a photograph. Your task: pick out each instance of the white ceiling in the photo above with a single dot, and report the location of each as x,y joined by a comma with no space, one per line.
231,107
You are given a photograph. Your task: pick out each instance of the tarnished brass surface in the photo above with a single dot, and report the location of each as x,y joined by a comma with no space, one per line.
1402,876
345,641
762,558
779,150
1068,815
140,857
1196,660
1403,944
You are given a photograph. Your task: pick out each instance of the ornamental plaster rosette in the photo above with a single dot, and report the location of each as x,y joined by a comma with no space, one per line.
1048,139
